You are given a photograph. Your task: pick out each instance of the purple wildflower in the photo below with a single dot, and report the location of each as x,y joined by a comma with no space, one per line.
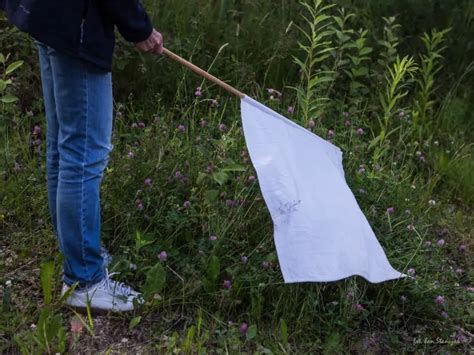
212,238
291,110
203,123
163,256
390,210
411,227
411,271
330,133
130,154
141,125
186,204
181,128
139,204
311,124
439,300
244,327
222,127
359,307
347,123
440,242
148,182
444,314
227,284
251,179
210,168
36,130
243,259
360,131
214,103
198,92
462,248
443,232
265,264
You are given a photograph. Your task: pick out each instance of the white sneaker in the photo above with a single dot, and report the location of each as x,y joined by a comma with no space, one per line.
107,295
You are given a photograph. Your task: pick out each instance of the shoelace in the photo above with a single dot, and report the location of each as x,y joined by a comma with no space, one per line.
116,286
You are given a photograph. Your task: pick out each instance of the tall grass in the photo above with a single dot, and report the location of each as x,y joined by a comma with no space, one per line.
352,82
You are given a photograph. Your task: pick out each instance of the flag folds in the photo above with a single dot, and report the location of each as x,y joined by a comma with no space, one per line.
319,230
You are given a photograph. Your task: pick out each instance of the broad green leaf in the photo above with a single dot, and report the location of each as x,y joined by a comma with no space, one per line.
252,332
3,85
155,279
13,66
220,177
134,322
9,98
2,58
200,178
46,276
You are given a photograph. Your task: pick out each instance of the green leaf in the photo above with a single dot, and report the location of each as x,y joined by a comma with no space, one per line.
214,267
8,99
220,177
134,322
365,50
200,178
188,342
234,167
284,332
46,276
252,332
13,66
211,195
155,279
3,85
2,58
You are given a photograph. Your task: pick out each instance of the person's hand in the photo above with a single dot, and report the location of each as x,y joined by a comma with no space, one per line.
153,44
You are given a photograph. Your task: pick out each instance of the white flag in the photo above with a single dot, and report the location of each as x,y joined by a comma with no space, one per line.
320,232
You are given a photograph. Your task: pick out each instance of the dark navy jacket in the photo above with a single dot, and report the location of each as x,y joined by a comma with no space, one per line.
82,28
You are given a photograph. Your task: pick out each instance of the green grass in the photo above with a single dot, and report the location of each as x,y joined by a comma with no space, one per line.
423,170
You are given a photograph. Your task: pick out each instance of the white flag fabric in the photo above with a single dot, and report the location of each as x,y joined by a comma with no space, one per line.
319,230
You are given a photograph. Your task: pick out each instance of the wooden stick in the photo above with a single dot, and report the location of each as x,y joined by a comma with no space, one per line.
203,73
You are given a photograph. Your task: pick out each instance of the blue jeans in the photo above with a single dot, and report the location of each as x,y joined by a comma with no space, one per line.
78,103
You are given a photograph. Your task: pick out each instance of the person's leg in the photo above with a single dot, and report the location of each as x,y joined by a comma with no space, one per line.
83,96
52,153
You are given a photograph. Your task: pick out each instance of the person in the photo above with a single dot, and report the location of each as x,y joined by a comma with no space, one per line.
75,41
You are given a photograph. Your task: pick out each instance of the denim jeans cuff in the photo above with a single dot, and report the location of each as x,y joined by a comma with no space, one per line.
82,285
